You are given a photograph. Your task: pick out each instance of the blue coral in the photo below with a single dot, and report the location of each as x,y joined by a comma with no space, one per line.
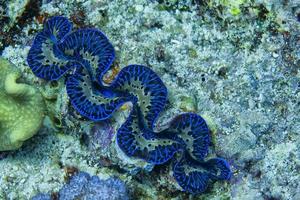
84,186
42,197
57,49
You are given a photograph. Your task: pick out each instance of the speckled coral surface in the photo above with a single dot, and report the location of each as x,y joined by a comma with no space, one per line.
241,71
21,108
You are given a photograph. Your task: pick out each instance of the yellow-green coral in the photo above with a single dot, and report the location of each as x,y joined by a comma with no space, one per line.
21,108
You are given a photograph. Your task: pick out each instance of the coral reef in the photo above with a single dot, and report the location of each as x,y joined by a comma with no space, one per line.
56,50
21,108
84,186
235,62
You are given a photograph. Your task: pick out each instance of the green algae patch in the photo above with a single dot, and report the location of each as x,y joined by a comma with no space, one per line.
21,108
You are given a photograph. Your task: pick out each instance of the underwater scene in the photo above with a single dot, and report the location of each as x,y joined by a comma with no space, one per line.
149,100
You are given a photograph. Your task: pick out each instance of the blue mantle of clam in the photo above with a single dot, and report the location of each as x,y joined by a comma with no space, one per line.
84,56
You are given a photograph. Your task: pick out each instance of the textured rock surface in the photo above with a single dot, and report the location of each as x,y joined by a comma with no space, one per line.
240,68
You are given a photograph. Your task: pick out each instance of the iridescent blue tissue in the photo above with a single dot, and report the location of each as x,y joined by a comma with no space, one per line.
91,48
85,98
194,176
146,85
45,60
218,168
193,181
133,140
56,28
192,131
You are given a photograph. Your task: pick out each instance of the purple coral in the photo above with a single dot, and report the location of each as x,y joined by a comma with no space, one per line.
84,186
102,134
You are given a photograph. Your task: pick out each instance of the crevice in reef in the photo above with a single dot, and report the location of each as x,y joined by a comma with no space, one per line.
7,37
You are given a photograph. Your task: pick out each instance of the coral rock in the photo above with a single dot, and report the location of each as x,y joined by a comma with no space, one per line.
21,109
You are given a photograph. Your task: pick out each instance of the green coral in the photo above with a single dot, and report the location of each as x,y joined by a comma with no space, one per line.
21,108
